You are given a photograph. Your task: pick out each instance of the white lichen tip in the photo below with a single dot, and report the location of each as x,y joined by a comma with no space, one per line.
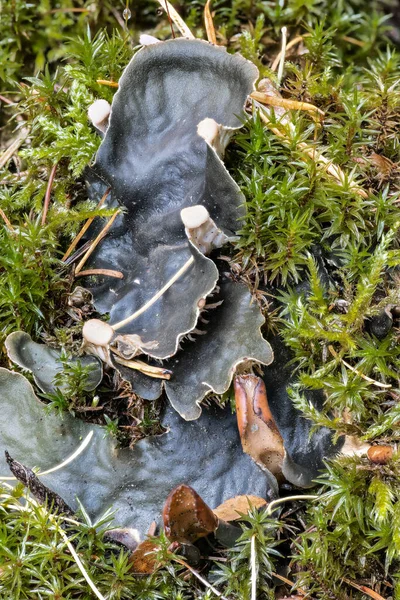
98,113
97,332
208,129
194,216
148,40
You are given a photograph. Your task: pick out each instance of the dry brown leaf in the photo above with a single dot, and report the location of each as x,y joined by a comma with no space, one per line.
143,559
231,509
259,434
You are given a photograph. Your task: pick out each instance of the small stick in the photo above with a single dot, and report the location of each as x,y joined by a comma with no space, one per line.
93,246
6,220
106,272
156,296
48,193
291,583
290,44
7,154
364,589
356,371
179,22
283,55
170,21
113,84
138,365
285,103
253,566
85,227
208,22
199,577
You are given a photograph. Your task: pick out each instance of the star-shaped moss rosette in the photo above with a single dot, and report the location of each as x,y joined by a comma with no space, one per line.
177,105
205,454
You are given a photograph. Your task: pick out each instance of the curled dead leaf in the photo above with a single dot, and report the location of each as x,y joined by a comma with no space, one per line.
143,560
186,516
259,434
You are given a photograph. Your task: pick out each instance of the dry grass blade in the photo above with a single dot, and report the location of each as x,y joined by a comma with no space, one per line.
315,155
48,193
138,365
364,589
289,45
209,23
156,296
176,18
105,272
288,582
356,371
85,227
7,154
284,103
113,84
6,220
200,578
95,243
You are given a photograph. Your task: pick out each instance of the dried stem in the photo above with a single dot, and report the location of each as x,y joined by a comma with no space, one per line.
105,272
289,45
85,227
177,19
48,193
156,296
209,23
6,220
97,240
283,55
356,371
253,567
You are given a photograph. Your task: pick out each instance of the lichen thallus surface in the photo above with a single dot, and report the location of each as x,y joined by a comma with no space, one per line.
162,160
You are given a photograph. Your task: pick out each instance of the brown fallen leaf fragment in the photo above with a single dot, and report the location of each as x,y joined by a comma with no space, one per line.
259,434
186,516
143,560
380,455
232,509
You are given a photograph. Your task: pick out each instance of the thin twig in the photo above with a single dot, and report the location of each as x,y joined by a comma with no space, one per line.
7,154
6,220
209,23
356,371
285,103
364,589
150,370
48,193
199,577
96,241
113,84
177,19
80,564
156,296
105,272
85,227
291,583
